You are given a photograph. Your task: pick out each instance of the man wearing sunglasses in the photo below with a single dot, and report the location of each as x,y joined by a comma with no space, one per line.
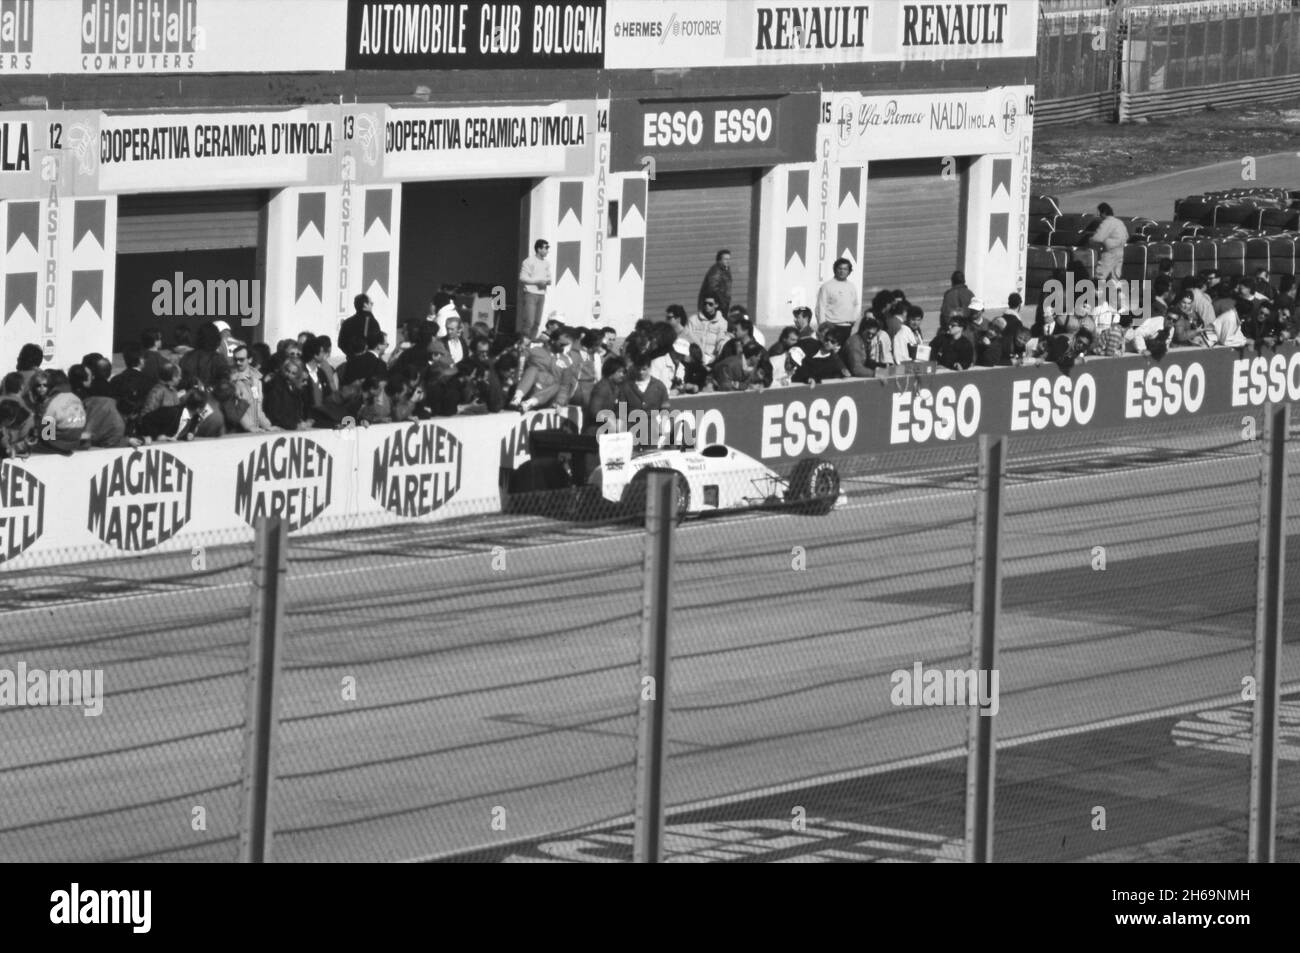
709,328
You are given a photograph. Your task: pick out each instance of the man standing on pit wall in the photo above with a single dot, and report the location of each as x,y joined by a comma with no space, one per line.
838,302
1111,236
717,282
535,278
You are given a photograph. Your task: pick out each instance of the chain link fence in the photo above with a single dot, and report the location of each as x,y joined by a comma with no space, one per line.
475,688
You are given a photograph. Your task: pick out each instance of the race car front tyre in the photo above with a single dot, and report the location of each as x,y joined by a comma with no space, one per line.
634,496
814,486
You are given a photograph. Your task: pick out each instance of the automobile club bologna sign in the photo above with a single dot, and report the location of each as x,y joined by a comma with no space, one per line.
141,499
417,469
289,477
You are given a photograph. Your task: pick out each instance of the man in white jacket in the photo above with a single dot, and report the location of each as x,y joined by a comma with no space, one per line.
1111,236
1225,331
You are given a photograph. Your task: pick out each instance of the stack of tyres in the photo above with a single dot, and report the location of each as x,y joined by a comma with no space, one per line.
1258,255
1084,261
1232,256
1069,237
1283,218
1168,231
1234,212
1040,265
1076,221
1044,205
1194,208
1281,255
1142,261
1139,229
1039,230
1137,260
1194,255
1221,231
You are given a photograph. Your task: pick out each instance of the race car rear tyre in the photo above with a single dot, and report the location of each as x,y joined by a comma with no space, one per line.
814,486
634,496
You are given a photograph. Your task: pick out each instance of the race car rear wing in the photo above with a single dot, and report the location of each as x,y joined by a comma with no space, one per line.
551,443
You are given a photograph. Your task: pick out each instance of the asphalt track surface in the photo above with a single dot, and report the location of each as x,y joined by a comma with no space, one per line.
497,687
1154,196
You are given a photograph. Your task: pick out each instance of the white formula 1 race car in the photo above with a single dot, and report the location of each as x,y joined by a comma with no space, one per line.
608,472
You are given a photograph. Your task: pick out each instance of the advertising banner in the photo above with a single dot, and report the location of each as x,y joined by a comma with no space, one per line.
932,124
647,34
857,417
99,504
703,133
482,141
187,150
169,496
124,37
382,35
41,150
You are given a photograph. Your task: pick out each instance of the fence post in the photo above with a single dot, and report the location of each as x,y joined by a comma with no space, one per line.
1268,634
652,709
986,608
266,632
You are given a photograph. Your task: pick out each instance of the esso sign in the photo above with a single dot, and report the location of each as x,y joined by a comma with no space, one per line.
742,125
673,129
1259,379
1164,390
1039,402
687,127
813,426
943,413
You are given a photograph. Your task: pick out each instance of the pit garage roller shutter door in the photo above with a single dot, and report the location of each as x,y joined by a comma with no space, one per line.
692,216
189,221
914,227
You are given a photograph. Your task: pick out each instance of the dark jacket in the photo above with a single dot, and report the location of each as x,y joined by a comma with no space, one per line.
103,423
283,404
716,284
151,365
956,354
857,357
820,367
604,396
441,397
655,396
129,389
206,367
729,373
542,378
995,353
360,366
479,383
955,301
352,333
164,421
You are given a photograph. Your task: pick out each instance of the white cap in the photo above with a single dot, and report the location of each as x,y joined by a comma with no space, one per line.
976,304
221,325
682,347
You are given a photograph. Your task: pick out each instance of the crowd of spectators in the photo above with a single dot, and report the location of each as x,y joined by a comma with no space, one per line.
442,366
